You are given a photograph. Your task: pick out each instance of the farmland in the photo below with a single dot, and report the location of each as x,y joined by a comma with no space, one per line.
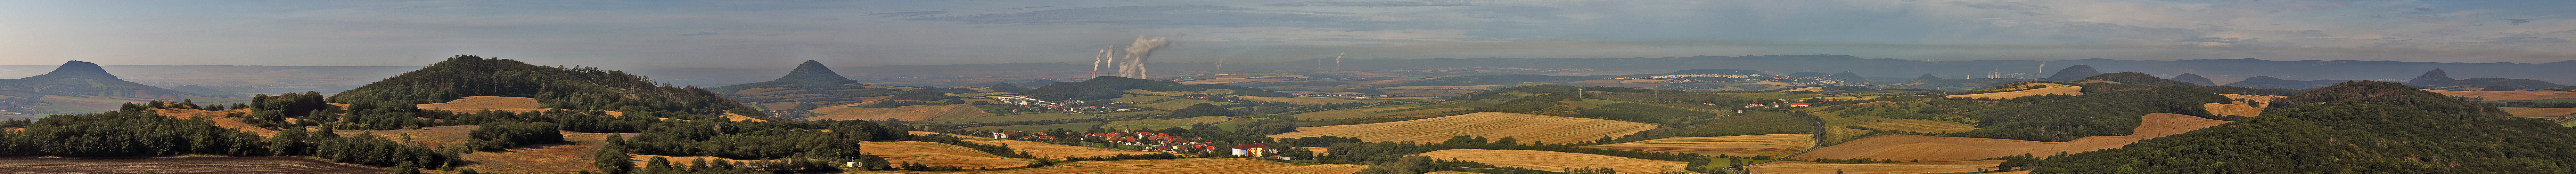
2508,95
541,158
1930,148
1525,127
2233,109
220,119
909,113
1874,168
1773,144
1556,161
936,154
1037,127
181,165
1176,166
1926,126
2072,90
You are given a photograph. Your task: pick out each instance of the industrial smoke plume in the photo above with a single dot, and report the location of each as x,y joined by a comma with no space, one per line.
1133,64
1100,61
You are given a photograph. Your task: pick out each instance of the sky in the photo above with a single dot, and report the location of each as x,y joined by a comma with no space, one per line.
779,34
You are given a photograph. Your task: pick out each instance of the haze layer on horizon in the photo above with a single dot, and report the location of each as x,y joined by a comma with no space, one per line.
768,34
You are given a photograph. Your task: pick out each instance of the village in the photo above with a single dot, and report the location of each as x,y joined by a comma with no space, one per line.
1143,141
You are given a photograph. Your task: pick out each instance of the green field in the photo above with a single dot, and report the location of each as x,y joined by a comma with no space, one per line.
1162,123
1178,104
1133,98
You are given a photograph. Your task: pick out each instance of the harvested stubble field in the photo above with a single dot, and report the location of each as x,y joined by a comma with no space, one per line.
1557,161
220,119
1176,166
2254,98
2071,90
936,154
1794,167
2508,95
1924,126
2233,109
1773,144
541,158
225,165
1302,100
1056,151
1524,127
2539,112
1930,148
906,113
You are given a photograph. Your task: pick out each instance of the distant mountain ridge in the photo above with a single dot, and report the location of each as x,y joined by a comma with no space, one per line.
77,78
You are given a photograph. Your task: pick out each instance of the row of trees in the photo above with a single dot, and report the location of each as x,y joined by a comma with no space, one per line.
137,131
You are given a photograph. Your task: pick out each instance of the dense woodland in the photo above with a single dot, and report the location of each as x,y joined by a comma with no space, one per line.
580,88
2352,127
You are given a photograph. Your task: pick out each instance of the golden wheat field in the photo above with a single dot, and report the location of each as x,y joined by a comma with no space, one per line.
1802,167
2253,98
2071,90
2233,109
1930,148
1174,166
220,118
1557,161
1525,128
936,154
1779,144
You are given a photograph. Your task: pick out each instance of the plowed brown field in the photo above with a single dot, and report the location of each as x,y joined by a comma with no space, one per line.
1730,145
224,165
1793,167
2072,90
1557,161
1930,148
2509,95
935,154
1523,127
906,113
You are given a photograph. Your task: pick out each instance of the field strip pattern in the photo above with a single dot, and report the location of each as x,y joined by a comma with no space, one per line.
1523,127
1730,145
1557,161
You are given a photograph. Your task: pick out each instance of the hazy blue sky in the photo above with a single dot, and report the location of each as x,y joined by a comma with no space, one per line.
777,34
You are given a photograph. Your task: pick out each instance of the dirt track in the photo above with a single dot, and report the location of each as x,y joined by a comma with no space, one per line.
226,165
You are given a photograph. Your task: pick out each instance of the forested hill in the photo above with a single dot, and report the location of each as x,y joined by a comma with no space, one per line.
582,88
2351,127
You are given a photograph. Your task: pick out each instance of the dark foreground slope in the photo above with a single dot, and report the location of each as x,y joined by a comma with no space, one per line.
2352,127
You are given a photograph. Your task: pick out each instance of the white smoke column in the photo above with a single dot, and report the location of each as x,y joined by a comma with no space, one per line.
1098,61
1137,53
1337,61
1220,64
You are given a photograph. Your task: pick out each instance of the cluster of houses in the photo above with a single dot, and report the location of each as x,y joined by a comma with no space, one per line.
1152,142
1040,105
